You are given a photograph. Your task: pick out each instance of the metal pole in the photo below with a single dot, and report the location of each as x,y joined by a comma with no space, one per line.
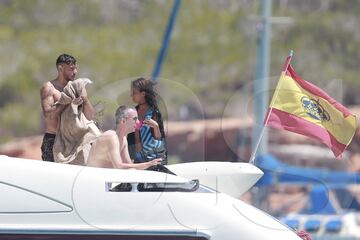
261,87
165,42
285,67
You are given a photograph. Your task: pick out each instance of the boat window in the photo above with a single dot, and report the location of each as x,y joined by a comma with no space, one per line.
189,186
333,226
122,187
312,225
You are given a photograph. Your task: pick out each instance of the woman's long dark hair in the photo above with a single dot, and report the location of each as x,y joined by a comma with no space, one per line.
147,86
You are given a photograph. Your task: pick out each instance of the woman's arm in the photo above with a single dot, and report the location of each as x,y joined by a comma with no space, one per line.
155,126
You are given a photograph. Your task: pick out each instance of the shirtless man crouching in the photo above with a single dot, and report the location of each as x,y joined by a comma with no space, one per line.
110,149
50,93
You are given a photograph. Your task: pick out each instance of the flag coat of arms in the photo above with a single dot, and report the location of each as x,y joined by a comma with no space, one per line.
301,107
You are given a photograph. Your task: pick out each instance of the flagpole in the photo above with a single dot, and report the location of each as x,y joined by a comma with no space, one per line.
284,69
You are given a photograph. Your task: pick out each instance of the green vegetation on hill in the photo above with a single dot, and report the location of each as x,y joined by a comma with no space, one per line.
211,55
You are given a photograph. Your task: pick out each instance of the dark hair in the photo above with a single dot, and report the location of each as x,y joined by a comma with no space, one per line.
65,58
147,86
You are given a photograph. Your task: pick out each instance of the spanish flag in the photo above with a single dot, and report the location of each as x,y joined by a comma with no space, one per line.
301,107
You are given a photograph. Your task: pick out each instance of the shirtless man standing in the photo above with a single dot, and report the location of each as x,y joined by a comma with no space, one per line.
50,93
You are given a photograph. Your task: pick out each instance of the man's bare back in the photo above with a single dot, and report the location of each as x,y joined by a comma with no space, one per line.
110,150
104,151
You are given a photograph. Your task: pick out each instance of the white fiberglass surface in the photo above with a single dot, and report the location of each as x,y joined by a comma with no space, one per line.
231,178
15,199
104,209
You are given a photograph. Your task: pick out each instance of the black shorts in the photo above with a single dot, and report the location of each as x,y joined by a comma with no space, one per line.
47,147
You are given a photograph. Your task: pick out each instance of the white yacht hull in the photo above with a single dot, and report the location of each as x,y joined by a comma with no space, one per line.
231,178
59,201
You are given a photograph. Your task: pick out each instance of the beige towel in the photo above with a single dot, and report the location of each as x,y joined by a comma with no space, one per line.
75,132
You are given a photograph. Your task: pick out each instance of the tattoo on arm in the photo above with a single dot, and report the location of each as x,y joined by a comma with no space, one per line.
47,102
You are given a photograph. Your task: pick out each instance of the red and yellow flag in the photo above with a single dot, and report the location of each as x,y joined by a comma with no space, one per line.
301,107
